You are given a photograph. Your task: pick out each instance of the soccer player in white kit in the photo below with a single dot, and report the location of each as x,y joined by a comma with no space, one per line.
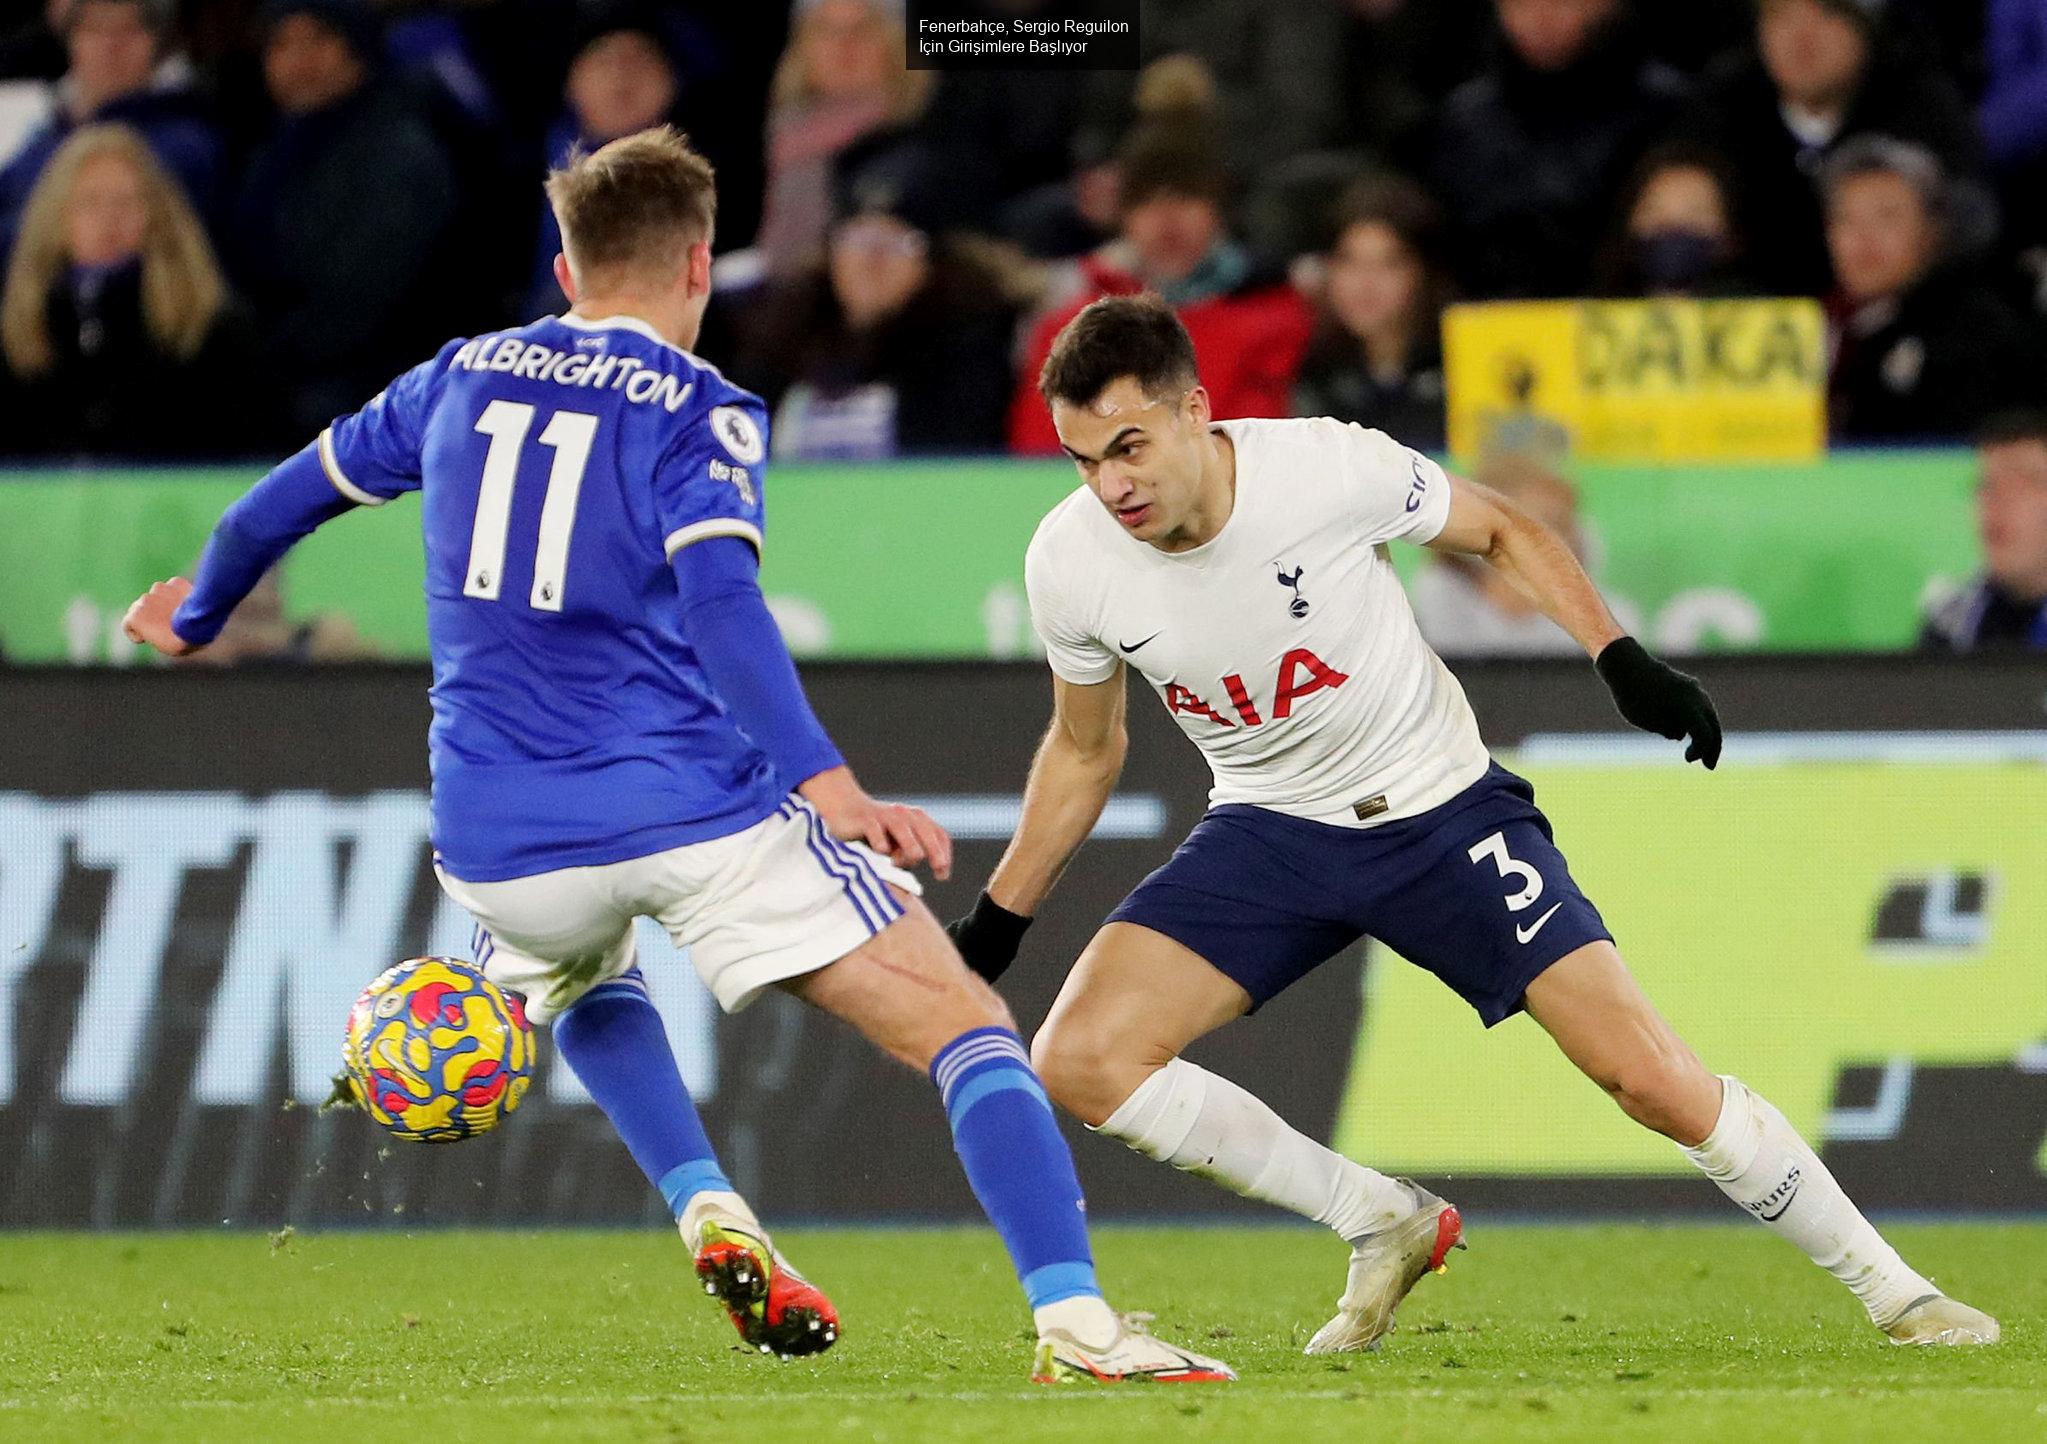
1240,568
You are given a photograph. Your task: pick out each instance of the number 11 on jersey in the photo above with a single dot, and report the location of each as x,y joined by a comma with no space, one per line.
570,435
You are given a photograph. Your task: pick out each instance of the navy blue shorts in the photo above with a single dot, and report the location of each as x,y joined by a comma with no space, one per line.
1474,891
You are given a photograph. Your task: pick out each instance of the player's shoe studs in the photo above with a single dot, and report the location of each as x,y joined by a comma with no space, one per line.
1135,1355
775,1309
1382,1270
1939,1321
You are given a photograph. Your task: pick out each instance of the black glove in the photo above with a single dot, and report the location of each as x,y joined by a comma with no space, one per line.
1658,698
988,937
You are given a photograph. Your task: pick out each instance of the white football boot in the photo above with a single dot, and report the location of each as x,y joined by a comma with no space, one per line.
1384,1267
1133,1355
1938,1320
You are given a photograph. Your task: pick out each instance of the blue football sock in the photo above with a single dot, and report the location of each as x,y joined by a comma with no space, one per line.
1017,1162
612,1036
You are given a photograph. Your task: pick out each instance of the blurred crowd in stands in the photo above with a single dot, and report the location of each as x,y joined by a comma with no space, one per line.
225,221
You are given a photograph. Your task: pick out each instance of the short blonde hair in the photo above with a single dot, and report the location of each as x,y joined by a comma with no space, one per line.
633,207
182,290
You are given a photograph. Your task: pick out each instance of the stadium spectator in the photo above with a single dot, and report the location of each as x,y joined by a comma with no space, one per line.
1528,156
1377,353
485,76
1922,347
119,335
637,64
1249,330
897,344
2006,605
121,70
842,80
343,214
1468,609
1821,73
1676,235
624,78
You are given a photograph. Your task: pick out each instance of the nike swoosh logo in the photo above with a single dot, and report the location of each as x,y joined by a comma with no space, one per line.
1782,1209
1129,647
1522,935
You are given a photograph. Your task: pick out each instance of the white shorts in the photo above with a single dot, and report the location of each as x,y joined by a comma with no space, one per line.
778,900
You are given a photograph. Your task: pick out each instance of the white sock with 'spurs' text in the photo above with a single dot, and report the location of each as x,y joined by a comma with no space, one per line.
1759,1161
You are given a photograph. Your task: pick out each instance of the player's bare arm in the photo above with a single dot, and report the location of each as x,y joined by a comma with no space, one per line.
1535,559
1071,777
1650,694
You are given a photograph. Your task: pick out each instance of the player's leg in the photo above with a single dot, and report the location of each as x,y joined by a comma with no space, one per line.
1591,1005
785,904
1109,1051
906,990
561,940
565,942
1240,912
1499,918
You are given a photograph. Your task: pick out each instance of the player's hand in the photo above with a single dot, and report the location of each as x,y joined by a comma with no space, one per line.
148,620
1658,698
906,836
988,937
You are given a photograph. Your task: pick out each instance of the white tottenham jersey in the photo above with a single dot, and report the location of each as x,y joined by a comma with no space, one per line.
1284,645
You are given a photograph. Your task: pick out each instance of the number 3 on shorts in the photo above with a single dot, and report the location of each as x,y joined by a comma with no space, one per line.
1495,847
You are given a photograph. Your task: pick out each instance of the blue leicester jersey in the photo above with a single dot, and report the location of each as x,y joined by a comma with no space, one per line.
561,465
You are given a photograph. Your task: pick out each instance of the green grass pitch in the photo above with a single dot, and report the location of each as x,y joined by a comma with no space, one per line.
1550,1333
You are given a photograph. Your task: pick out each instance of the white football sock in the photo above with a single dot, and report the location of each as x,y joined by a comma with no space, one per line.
716,1201
1761,1163
1087,1317
1209,1127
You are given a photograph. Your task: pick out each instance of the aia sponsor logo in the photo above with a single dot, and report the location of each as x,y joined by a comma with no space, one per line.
1301,674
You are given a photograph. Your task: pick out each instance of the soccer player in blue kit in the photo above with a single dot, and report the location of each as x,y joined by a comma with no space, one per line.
1240,568
618,731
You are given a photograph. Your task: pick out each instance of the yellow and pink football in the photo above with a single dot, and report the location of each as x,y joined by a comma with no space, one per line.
436,1052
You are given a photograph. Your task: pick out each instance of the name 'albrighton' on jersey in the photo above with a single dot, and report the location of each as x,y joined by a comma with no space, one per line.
537,361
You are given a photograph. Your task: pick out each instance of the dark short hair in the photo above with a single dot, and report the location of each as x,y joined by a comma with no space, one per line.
1388,199
1117,336
2008,428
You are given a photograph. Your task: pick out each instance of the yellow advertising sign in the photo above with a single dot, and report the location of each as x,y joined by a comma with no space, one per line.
1818,916
1674,381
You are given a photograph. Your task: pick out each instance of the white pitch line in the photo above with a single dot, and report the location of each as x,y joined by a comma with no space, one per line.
1588,1390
